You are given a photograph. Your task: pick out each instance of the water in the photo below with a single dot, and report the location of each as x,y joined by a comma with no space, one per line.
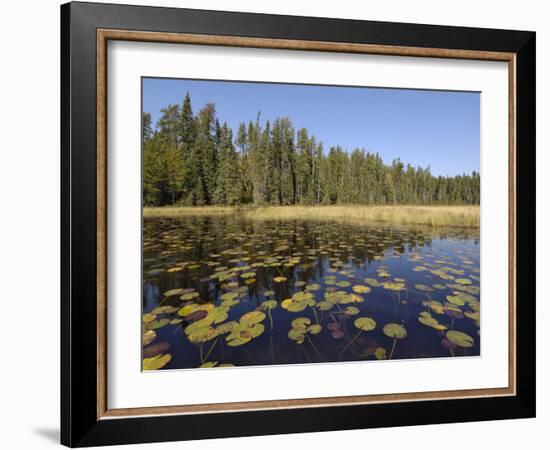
408,273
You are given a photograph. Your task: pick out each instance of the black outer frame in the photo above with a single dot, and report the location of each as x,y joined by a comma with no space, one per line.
79,424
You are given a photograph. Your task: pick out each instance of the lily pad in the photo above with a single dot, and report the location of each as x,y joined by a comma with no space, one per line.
252,317
394,330
423,288
361,289
314,329
149,336
208,364
297,334
293,306
157,324
393,286
269,304
172,292
155,349
300,322
365,323
248,275
455,300
351,310
156,362
189,296
380,353
325,306
460,339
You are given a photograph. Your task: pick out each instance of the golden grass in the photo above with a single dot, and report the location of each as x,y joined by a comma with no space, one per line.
436,216
177,211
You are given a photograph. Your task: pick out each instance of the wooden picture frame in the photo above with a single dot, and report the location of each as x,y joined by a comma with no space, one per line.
86,417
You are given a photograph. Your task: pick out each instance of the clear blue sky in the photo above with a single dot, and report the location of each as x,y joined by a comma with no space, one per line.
436,128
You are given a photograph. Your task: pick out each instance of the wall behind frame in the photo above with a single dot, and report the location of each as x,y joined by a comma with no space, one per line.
29,231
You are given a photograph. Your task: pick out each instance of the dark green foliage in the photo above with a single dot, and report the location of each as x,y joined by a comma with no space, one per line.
229,187
193,160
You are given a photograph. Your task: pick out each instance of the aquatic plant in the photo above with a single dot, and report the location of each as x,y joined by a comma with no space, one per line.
395,331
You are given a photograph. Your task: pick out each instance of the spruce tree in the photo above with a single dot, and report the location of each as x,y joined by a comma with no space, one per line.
228,183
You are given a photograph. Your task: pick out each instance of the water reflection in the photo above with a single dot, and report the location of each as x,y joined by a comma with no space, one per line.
222,290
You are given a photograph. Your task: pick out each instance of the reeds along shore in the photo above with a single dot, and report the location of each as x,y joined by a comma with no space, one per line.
437,216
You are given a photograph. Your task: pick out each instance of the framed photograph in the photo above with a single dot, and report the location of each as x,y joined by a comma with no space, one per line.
276,224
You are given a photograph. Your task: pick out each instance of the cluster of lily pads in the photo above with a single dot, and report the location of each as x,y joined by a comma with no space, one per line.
219,294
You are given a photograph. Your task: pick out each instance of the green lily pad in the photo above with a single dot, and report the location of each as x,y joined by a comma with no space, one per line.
269,304
314,329
229,296
361,289
256,330
393,286
351,310
423,288
227,327
435,306
293,306
172,292
157,324
252,317
426,318
164,310
300,322
147,317
455,300
248,275
218,314
373,282
297,334
395,330
202,335
189,296
325,306
238,338
156,362
208,364
149,336
460,339
313,287
365,323
380,353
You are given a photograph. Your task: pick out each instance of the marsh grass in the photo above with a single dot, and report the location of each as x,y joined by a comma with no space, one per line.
436,216
177,211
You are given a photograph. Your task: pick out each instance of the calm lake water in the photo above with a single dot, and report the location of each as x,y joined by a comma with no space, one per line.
223,290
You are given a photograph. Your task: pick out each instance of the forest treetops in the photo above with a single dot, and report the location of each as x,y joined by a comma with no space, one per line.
196,160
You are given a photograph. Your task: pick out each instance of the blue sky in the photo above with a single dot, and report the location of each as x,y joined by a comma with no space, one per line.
436,128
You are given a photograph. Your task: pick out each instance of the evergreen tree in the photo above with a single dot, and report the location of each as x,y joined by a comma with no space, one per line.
146,125
228,183
193,160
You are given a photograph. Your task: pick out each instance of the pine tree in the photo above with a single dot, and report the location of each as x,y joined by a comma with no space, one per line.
187,136
228,183
193,160
146,125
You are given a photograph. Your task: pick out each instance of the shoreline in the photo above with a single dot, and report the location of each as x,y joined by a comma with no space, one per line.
460,216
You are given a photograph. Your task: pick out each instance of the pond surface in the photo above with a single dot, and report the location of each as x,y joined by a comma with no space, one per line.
223,291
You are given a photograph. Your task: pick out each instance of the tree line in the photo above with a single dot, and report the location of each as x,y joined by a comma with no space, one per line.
193,159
